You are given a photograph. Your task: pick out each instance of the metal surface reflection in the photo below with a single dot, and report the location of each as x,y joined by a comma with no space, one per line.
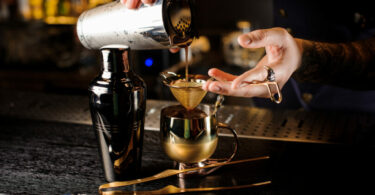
165,24
118,104
190,137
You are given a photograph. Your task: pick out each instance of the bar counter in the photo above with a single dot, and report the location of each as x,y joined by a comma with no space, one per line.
43,155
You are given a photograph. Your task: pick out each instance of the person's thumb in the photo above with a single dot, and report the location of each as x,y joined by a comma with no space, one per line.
263,38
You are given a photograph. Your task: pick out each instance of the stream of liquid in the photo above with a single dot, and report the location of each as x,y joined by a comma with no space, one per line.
188,91
187,64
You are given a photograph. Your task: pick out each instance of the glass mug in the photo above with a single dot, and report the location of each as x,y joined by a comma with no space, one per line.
190,137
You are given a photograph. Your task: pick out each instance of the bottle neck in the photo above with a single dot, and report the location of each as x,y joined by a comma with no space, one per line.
115,60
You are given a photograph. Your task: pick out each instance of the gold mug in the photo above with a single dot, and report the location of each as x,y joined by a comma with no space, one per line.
190,137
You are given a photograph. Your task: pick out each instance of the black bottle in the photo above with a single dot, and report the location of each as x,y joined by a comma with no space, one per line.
118,104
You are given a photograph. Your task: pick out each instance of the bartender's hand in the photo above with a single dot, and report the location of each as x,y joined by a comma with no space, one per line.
283,55
133,4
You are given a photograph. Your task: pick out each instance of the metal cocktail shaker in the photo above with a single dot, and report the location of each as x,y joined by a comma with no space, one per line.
165,24
118,104
118,95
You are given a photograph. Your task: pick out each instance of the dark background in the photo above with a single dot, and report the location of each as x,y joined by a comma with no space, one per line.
49,157
41,56
35,55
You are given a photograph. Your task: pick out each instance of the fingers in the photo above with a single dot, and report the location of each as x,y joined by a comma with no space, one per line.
174,50
262,38
139,4
256,74
224,88
221,75
225,81
148,1
281,49
133,4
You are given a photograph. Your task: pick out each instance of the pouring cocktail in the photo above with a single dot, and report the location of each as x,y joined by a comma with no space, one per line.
189,132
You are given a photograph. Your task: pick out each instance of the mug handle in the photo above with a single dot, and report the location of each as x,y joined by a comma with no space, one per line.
236,143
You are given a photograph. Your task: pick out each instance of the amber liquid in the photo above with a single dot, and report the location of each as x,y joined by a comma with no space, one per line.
188,92
187,64
191,152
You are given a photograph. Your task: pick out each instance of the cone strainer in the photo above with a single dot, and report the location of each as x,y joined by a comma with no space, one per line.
188,93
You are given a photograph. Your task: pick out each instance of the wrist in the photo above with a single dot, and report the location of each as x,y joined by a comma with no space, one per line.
300,46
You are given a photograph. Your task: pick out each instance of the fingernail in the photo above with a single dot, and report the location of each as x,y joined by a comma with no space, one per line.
130,4
247,41
216,88
210,72
174,50
244,40
148,1
204,86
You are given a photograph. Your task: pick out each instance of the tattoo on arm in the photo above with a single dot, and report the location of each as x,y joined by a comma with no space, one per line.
349,65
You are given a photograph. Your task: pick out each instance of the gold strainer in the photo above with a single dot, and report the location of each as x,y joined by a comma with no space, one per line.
188,93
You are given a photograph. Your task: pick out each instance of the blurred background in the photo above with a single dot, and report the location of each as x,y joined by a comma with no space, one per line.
45,73
39,50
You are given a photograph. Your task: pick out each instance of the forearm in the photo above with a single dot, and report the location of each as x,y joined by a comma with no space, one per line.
349,65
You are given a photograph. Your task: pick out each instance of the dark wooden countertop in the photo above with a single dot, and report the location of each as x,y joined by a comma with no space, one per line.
46,157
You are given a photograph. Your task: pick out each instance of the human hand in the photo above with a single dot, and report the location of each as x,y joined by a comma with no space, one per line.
283,55
133,4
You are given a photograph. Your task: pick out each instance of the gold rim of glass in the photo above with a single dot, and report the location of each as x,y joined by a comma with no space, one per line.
173,77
